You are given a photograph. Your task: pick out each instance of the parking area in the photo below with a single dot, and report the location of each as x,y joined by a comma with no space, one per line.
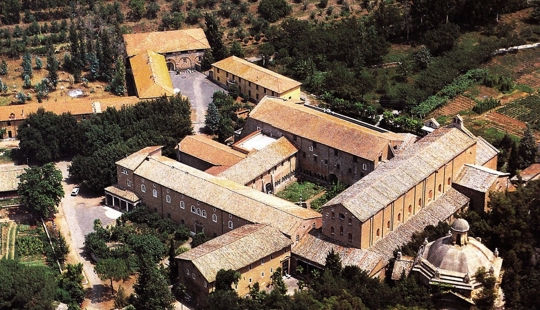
199,89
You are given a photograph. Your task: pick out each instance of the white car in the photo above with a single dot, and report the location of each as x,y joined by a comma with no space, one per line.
75,191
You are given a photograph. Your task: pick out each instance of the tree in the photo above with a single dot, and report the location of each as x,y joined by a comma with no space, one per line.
273,10
41,189
39,63
137,9
527,149
278,284
152,10
213,118
237,50
113,269
119,81
214,36
27,66
52,65
70,283
151,290
3,67
226,278
333,263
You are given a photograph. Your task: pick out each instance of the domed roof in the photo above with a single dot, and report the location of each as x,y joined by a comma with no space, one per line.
465,259
460,225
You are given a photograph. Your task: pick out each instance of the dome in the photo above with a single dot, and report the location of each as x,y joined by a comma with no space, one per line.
464,259
460,225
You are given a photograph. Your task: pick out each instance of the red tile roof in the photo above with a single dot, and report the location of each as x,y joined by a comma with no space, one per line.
210,151
166,41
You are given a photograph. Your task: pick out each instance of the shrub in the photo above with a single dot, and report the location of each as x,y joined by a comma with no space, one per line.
323,4
273,10
486,105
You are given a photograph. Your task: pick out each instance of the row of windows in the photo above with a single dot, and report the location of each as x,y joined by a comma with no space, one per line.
333,232
316,158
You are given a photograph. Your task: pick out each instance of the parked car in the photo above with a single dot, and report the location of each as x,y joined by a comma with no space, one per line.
75,191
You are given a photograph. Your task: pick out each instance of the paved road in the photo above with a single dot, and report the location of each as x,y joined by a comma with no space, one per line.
75,219
199,89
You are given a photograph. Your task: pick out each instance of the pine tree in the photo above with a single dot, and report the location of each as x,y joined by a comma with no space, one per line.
119,81
212,118
76,65
3,67
27,83
39,63
214,36
27,66
333,263
237,50
151,289
52,65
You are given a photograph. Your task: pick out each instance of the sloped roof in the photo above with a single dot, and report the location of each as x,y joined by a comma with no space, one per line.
244,202
315,247
259,162
529,173
257,74
437,211
124,193
82,106
133,161
152,79
166,41
389,181
478,178
210,151
9,174
484,151
323,128
236,249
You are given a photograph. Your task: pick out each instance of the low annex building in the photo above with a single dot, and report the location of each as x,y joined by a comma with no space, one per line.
11,116
9,180
254,81
256,251
330,148
152,79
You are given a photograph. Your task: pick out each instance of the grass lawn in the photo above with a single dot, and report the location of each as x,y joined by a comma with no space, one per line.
304,190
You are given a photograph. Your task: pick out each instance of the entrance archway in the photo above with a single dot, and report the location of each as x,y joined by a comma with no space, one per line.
332,178
171,66
269,188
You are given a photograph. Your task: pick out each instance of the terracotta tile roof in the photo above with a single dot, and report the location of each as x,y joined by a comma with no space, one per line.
259,162
530,173
133,161
215,170
151,75
210,151
257,74
314,247
244,202
484,151
236,249
439,210
322,128
478,178
166,41
123,193
9,180
389,181
83,106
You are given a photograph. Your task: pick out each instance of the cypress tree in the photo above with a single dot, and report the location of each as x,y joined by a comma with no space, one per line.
3,67
212,118
527,149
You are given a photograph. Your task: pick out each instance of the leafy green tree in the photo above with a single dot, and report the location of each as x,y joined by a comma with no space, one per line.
41,189
333,263
273,10
27,66
42,90
113,269
70,284
213,118
4,88
10,12
21,97
237,50
137,9
225,129
119,81
148,246
226,278
214,36
152,10
278,284
52,65
39,63
27,82
527,149
3,67
151,290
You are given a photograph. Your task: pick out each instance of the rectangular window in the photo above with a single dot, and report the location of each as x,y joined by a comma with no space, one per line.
256,87
315,157
314,144
355,159
193,210
336,152
364,166
262,274
304,154
227,74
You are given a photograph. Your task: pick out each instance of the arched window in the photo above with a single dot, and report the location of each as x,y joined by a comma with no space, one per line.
214,217
420,202
204,213
430,195
378,232
231,225
182,205
410,209
198,211
168,198
350,237
399,217
440,188
154,192
388,224
143,188
332,230
449,181
341,230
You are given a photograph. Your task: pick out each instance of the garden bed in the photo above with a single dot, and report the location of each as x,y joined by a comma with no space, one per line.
300,191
